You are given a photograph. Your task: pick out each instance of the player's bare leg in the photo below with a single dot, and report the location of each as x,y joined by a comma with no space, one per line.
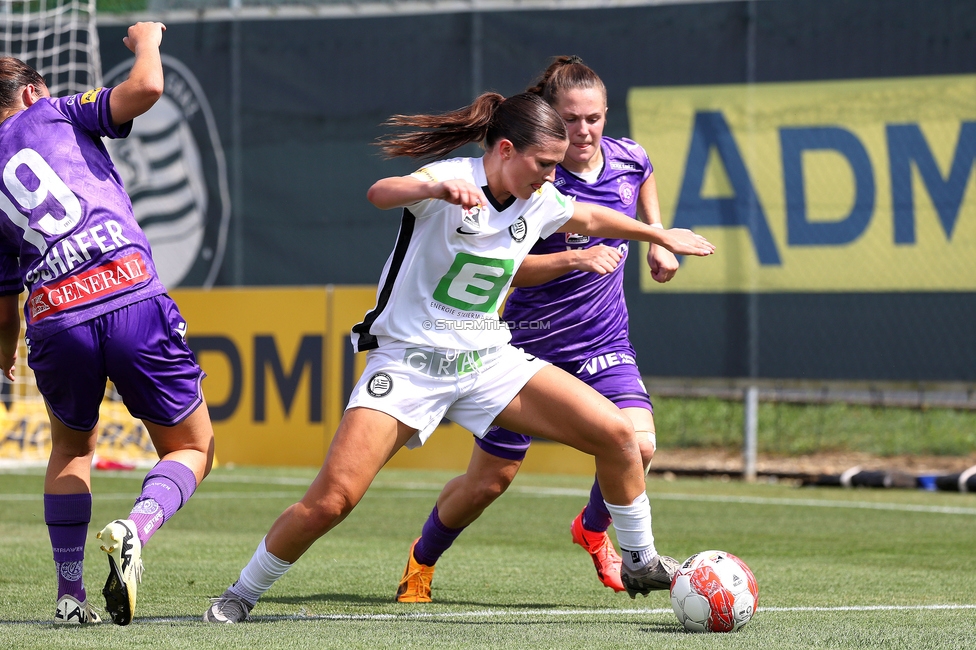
190,442
465,497
589,528
365,441
557,406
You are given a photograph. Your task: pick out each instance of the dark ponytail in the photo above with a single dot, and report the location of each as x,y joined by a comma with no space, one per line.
14,75
523,119
566,73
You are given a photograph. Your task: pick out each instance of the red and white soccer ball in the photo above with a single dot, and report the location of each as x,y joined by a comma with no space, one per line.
714,591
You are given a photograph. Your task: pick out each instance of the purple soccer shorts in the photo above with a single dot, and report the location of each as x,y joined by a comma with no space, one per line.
140,347
614,375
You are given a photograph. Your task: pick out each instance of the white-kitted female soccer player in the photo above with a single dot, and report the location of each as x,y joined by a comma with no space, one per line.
436,347
575,285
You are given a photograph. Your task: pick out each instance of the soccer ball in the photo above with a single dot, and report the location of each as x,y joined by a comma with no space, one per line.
714,591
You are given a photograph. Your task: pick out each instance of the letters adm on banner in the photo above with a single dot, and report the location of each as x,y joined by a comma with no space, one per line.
862,185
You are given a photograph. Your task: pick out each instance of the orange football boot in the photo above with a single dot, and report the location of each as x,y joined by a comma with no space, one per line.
414,586
600,548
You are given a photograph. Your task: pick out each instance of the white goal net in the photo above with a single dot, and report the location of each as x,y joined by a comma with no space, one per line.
57,38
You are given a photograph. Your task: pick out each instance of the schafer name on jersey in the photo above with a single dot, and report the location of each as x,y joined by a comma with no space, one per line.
67,253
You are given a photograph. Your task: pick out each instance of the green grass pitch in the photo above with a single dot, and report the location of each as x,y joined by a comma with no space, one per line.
836,569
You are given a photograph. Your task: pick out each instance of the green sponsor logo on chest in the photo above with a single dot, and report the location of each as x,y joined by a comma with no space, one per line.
474,283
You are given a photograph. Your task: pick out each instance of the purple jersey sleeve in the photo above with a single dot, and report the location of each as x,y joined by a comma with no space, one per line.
91,111
573,316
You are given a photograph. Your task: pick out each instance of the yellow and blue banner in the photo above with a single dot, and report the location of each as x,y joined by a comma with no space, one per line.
826,186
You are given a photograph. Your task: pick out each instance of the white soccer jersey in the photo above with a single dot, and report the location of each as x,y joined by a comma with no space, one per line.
451,268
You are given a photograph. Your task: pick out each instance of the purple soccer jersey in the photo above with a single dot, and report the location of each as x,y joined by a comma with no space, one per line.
581,314
67,230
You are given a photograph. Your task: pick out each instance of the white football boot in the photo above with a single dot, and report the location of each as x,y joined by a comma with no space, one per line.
71,611
121,543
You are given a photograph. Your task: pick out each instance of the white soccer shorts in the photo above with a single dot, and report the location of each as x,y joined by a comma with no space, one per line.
421,386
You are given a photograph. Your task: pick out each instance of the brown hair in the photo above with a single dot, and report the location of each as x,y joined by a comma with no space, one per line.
14,75
566,73
525,120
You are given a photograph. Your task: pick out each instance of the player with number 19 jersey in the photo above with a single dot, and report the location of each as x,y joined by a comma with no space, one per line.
451,268
78,249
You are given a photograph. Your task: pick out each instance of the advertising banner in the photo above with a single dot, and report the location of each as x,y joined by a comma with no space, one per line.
263,352
828,186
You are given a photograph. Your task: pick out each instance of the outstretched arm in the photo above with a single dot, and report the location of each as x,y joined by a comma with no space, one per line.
9,334
539,269
590,219
139,92
398,191
662,262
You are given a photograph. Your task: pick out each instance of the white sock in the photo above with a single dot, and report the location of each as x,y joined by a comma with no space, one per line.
633,526
259,574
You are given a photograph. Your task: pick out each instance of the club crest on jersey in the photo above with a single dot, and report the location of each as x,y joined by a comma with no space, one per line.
472,216
574,238
174,170
626,192
518,229
379,385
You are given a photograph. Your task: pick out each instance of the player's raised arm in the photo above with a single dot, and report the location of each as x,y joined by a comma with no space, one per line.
139,92
398,191
662,262
590,219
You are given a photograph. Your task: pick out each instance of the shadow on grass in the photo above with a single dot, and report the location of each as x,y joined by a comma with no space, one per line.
407,608
327,598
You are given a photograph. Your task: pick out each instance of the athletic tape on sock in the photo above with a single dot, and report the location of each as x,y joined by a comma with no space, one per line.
261,572
633,524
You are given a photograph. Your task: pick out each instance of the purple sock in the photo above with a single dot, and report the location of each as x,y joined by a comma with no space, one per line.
67,517
434,540
166,488
596,517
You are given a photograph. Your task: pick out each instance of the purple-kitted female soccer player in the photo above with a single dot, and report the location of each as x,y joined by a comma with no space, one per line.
95,310
570,311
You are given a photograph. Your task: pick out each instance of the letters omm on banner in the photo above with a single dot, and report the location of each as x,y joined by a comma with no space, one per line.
830,186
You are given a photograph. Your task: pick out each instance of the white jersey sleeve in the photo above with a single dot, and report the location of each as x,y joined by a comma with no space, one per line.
437,172
562,209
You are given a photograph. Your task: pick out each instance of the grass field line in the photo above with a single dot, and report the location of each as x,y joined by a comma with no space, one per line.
541,491
552,613
531,613
718,498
